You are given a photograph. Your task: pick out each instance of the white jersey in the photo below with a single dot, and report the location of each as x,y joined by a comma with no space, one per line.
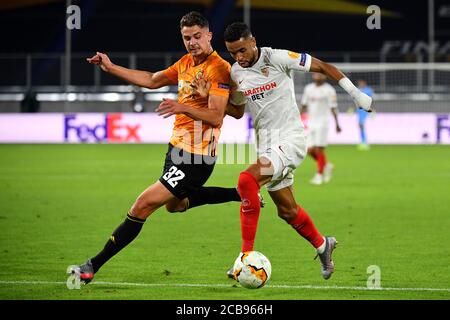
269,90
319,100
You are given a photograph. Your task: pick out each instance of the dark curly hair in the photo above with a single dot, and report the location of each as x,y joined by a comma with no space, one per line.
237,30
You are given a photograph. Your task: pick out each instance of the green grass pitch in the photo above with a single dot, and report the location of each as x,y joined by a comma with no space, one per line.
388,207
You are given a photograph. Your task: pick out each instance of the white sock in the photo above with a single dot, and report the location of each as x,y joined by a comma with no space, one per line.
321,249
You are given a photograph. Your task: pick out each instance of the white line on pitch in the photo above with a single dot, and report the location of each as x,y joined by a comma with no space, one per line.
134,284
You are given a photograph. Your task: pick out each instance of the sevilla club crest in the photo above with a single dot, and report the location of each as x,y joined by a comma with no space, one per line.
265,71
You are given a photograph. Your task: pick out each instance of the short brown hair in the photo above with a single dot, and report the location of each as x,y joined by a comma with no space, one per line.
194,18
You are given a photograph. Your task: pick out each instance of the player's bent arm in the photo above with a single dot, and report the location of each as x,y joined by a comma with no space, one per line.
234,111
213,115
236,102
361,99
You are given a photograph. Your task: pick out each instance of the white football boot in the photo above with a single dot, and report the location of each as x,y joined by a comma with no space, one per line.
328,172
317,179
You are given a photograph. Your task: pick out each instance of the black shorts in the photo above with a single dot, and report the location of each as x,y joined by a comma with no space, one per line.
184,172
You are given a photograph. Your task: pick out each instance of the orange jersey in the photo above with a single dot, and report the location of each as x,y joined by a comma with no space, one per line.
188,134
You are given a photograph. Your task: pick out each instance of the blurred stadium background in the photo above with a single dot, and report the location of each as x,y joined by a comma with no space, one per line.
50,94
406,61
44,69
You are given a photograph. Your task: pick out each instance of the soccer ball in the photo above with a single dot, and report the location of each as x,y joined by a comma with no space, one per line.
252,269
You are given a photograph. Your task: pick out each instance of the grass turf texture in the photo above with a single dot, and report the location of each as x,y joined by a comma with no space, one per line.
59,203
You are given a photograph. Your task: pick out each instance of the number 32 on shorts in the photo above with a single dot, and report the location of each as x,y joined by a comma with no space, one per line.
173,176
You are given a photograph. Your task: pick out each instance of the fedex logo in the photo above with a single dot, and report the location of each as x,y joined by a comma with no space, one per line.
442,125
89,129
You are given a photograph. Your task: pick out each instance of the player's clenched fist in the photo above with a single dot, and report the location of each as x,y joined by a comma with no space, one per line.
101,60
363,101
360,99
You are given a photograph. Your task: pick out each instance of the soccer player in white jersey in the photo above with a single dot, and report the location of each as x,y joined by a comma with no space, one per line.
263,81
319,98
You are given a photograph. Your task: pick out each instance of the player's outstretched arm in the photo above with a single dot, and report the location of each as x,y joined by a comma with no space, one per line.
137,77
361,99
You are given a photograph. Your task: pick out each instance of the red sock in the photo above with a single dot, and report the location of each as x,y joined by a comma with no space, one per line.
248,189
321,161
306,228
